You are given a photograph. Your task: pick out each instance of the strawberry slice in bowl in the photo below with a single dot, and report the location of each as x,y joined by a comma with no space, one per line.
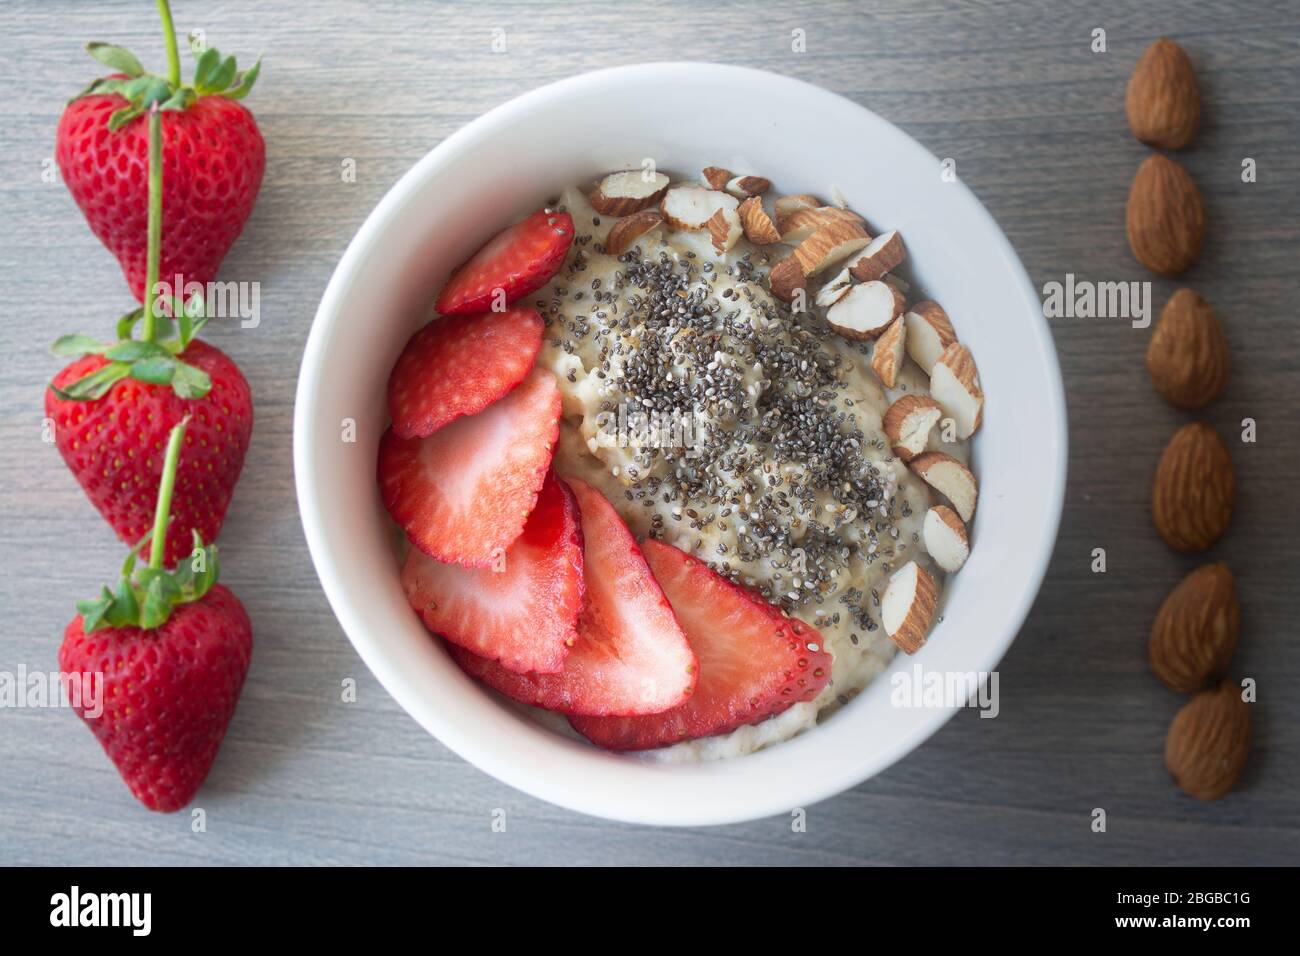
754,661
522,615
462,494
631,657
459,365
519,260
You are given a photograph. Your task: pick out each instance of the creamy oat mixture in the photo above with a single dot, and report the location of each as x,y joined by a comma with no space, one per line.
768,460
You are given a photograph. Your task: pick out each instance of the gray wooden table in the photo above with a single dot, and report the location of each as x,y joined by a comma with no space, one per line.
1035,121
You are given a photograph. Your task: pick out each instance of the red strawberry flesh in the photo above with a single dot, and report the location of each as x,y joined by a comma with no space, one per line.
754,662
522,615
463,494
114,447
459,365
167,694
519,260
213,160
631,656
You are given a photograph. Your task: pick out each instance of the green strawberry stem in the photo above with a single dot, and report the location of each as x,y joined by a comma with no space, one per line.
154,253
145,598
162,511
173,53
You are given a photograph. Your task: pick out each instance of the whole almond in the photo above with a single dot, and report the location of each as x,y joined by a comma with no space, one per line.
1195,633
1166,217
1188,355
1209,741
1194,489
1163,101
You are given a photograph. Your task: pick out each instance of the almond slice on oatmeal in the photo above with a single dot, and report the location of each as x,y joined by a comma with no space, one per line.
758,225
881,256
908,605
717,177
908,422
945,538
786,277
691,207
834,288
946,475
623,193
624,233
928,333
802,223
742,187
865,311
829,244
955,384
785,205
887,355
724,229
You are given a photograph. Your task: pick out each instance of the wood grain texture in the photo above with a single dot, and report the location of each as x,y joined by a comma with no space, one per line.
1035,121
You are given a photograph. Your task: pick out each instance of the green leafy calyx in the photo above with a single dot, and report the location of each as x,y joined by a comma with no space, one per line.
214,75
146,597
156,362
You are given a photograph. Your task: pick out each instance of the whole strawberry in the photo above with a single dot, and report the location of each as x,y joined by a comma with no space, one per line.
213,153
160,662
113,441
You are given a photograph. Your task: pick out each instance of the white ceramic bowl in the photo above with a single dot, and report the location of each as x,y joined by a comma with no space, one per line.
685,116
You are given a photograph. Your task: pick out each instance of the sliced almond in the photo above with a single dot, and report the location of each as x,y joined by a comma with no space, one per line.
908,423
928,333
865,311
724,229
908,605
946,475
717,177
624,233
834,288
897,283
802,223
621,194
882,255
945,538
785,205
887,356
830,244
785,277
691,207
742,187
955,384
758,225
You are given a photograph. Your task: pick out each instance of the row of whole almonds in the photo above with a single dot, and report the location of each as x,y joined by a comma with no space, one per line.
1195,632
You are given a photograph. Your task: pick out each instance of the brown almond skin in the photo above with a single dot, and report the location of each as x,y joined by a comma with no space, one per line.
1195,633
1165,217
1188,355
1209,741
1194,489
1163,101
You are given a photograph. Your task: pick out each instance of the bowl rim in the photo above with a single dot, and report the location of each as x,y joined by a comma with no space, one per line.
350,615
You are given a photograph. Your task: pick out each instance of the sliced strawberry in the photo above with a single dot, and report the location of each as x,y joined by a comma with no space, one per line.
459,365
523,615
631,656
754,662
462,494
518,261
